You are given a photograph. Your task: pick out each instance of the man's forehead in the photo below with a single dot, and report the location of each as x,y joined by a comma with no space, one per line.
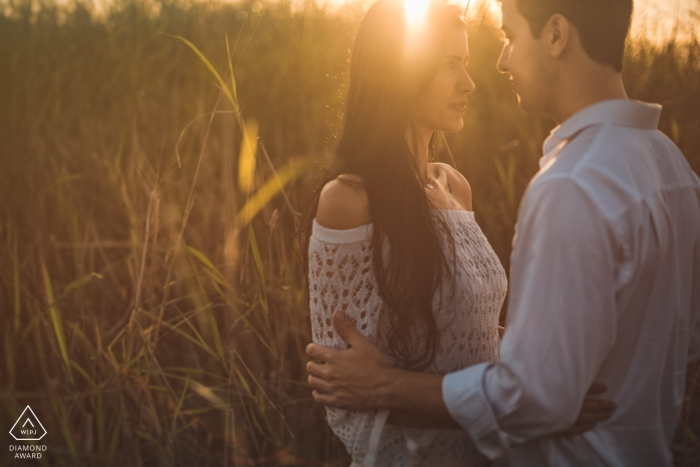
508,9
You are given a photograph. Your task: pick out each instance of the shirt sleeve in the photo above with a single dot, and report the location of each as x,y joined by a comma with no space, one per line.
561,323
341,278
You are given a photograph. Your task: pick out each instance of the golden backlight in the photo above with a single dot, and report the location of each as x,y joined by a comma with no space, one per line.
654,20
415,11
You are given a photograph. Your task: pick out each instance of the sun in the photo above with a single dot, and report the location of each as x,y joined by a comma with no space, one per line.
415,10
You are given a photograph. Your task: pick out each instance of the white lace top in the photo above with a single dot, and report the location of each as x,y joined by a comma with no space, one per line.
341,278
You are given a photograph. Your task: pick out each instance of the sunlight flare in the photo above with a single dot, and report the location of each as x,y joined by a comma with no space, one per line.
415,10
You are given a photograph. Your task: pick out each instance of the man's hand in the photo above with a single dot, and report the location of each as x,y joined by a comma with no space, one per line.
348,379
360,378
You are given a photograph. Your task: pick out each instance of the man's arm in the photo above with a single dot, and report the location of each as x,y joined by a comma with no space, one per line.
360,378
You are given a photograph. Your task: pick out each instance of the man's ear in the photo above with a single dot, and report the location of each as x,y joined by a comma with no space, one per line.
558,32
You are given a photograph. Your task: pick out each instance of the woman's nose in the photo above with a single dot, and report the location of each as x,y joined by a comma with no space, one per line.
471,86
466,84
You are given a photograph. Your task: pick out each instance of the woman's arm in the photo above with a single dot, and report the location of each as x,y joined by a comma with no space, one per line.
339,251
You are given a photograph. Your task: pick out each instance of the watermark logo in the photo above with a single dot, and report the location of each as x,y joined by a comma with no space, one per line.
28,427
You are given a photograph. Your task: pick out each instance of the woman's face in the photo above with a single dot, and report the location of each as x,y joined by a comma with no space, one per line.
442,104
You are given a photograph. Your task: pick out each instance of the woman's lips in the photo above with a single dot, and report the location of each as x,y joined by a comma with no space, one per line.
459,106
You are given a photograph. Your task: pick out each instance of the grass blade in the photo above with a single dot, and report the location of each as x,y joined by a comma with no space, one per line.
246,158
230,69
56,320
208,264
15,281
273,186
211,68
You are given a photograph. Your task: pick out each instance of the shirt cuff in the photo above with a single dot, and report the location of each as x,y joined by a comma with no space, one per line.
465,399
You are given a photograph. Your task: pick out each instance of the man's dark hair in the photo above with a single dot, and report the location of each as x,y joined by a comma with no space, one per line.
603,25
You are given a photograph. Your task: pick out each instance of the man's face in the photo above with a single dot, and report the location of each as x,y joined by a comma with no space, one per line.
526,59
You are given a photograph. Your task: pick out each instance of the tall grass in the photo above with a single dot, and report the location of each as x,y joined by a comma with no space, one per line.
153,307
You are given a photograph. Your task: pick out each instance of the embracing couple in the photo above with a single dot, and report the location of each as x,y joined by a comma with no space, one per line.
406,291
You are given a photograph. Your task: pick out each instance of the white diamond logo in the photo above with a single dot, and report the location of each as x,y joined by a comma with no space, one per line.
28,427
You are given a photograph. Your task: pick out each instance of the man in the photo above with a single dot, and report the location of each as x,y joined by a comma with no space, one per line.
605,278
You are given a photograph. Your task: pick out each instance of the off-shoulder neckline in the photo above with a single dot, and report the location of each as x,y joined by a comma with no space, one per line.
359,233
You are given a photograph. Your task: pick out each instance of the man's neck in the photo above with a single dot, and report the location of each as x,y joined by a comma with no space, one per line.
580,90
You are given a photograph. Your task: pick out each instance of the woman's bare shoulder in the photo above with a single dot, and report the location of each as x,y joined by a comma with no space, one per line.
343,203
461,190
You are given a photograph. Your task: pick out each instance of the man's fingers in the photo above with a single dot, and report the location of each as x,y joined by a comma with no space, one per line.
319,384
321,398
597,388
344,326
318,352
316,369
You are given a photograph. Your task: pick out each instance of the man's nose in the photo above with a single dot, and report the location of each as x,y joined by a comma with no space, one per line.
503,60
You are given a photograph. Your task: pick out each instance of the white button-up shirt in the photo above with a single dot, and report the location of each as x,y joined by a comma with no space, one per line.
605,286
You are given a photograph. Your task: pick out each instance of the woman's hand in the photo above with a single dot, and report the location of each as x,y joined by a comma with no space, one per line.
592,412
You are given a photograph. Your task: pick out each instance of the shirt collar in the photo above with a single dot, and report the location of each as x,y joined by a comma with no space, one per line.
622,112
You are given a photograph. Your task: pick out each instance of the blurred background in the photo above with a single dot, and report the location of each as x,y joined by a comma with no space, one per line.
156,160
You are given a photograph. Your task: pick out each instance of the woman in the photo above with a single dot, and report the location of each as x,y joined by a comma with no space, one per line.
394,244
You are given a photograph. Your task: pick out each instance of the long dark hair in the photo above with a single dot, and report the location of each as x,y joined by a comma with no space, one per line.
389,67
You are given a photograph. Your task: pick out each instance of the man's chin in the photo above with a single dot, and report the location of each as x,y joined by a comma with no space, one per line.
529,107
